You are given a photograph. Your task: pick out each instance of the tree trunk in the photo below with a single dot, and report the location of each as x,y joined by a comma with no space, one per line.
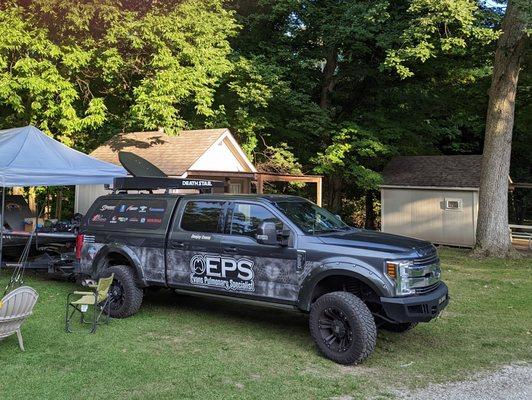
334,180
327,83
334,192
369,221
493,237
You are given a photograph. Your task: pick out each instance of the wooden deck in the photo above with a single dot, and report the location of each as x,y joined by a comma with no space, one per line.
522,245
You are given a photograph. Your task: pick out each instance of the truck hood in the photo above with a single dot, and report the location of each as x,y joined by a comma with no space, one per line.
377,241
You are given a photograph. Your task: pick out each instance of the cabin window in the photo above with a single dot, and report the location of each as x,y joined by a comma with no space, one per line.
247,218
202,216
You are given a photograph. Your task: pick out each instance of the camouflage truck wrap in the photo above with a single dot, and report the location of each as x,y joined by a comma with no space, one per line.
280,250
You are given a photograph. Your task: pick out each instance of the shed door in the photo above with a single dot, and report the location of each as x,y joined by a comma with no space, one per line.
458,218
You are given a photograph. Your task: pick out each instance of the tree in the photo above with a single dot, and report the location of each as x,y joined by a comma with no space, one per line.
36,85
448,27
328,68
325,86
493,238
86,70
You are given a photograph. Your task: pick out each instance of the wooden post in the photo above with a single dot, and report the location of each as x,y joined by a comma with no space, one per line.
59,204
318,192
32,201
260,184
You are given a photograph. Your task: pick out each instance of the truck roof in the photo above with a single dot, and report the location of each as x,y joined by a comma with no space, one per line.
271,198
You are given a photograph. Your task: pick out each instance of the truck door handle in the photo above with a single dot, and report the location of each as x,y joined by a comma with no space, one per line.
230,250
177,245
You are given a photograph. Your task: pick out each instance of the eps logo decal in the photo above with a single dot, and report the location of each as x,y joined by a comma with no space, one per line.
222,272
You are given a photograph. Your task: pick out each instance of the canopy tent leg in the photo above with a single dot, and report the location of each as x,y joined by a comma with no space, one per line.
2,225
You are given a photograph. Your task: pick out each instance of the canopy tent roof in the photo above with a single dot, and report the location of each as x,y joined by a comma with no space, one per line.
28,157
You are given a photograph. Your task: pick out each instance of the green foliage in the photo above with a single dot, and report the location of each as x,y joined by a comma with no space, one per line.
279,159
189,51
305,85
350,147
72,67
438,28
34,80
245,98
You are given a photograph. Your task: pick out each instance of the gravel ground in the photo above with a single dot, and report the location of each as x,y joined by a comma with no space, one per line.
512,382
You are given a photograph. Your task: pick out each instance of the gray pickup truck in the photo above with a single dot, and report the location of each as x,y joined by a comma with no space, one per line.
274,249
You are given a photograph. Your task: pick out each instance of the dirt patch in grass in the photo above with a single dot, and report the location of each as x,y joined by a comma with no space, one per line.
511,382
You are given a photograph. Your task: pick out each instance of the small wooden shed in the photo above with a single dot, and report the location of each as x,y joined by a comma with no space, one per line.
433,198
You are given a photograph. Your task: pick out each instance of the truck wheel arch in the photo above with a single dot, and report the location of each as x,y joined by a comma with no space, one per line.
313,281
110,255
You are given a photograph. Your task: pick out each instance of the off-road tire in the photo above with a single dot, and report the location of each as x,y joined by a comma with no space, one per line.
132,294
398,328
357,317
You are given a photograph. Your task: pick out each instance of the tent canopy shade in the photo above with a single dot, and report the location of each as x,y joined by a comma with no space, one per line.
28,157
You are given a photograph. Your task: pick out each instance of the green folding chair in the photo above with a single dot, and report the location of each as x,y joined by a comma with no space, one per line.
98,299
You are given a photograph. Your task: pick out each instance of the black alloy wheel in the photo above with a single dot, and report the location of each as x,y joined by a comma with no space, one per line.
342,327
335,330
116,295
124,294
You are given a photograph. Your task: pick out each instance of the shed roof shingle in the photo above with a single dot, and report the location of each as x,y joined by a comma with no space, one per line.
439,171
172,154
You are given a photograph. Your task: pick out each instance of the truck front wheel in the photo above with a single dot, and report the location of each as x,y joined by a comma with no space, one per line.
125,296
342,327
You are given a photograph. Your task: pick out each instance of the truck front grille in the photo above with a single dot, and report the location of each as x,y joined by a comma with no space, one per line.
427,289
425,272
430,259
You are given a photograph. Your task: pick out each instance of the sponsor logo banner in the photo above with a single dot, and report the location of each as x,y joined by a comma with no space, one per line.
222,272
145,214
98,218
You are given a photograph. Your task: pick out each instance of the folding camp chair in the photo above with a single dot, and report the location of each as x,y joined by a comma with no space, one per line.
98,299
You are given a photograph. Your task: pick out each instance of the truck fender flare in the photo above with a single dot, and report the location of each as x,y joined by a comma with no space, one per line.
124,251
352,270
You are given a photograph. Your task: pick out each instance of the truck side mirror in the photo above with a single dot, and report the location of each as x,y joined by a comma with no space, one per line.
285,237
267,233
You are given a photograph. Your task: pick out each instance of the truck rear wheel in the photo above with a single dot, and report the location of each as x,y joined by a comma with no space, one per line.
342,327
124,294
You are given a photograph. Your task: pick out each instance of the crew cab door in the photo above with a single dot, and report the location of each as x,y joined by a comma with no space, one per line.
193,248
266,272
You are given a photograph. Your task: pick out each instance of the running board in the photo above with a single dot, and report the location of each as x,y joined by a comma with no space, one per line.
238,299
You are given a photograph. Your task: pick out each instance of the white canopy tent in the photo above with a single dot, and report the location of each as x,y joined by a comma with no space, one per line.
28,157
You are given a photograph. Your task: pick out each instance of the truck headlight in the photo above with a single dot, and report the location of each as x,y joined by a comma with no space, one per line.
399,272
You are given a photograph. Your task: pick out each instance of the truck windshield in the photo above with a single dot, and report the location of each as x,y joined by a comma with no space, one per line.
310,218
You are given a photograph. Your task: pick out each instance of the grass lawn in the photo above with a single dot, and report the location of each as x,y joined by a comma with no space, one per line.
194,348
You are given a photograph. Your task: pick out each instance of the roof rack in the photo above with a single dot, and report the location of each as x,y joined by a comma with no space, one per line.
155,183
